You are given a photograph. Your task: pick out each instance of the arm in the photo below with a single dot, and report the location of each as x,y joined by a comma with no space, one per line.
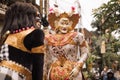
38,62
83,48
84,53
37,52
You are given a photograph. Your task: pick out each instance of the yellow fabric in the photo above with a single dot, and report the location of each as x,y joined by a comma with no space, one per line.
18,68
16,40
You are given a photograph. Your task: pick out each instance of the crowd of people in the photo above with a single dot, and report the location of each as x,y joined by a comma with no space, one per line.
107,74
110,74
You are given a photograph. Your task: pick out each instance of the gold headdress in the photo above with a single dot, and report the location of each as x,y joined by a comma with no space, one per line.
52,17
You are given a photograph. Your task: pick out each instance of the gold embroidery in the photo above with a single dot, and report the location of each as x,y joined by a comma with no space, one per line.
52,18
39,49
18,68
57,70
16,40
60,40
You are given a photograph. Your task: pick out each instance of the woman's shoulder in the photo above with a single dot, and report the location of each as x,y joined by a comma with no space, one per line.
35,35
38,31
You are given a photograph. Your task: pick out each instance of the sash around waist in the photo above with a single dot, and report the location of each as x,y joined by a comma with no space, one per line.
16,67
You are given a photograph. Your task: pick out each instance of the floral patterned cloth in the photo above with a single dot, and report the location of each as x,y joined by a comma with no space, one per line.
57,67
61,71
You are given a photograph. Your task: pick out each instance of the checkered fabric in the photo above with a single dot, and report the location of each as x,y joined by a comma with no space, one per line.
4,52
8,74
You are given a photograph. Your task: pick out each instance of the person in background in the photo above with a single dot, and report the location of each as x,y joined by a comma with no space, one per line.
22,53
110,76
104,72
117,74
66,49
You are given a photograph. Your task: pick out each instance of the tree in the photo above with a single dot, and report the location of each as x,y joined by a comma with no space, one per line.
107,20
111,48
107,17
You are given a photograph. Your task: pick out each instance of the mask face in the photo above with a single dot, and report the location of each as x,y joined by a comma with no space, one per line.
64,25
38,20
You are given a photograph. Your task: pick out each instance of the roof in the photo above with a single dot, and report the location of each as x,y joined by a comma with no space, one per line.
87,33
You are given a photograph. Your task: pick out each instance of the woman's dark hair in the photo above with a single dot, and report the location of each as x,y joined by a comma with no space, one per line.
19,15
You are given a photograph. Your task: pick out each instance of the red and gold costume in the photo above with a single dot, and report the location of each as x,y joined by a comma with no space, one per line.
62,49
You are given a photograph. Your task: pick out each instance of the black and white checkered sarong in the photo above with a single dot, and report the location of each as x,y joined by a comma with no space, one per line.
4,52
6,73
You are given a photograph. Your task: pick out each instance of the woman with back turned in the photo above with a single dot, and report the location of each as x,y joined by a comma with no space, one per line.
22,51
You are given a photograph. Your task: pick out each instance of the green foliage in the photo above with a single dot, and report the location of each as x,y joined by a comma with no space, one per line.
119,60
109,58
107,17
111,44
116,46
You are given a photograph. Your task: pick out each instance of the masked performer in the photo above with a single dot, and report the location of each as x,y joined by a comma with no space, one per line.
61,61
21,56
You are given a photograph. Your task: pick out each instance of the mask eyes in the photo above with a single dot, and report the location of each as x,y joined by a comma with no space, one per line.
64,23
38,19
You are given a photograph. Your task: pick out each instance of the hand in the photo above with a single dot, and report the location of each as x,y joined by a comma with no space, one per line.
74,72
